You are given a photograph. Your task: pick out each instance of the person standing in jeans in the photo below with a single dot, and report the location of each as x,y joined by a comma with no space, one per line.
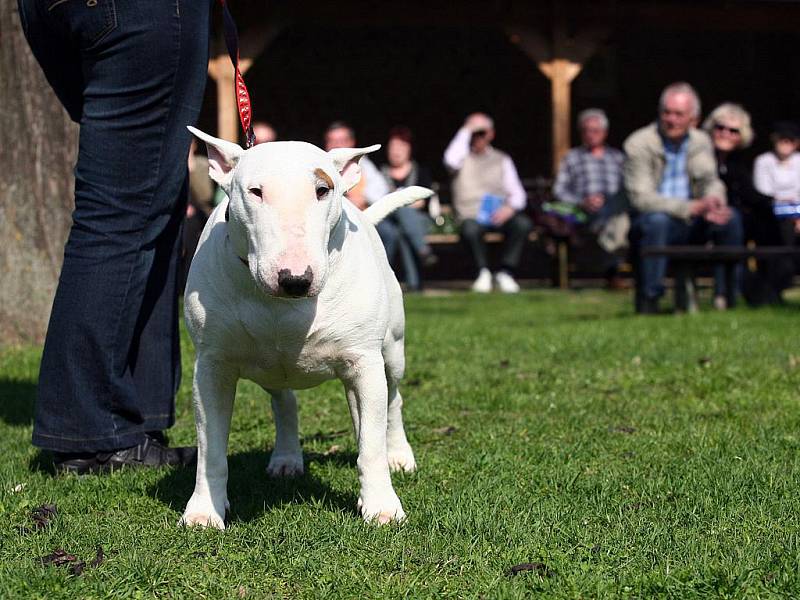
132,74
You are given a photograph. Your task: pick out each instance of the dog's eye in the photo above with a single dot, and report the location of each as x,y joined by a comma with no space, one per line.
322,191
255,191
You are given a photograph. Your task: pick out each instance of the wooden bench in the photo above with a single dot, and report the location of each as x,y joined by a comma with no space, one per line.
684,259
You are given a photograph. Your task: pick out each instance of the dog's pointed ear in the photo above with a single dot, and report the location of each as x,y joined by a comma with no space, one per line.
346,162
222,156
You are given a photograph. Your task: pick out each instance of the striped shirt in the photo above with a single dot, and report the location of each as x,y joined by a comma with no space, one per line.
582,174
675,180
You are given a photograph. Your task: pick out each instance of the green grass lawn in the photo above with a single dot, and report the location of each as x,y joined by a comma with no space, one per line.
630,456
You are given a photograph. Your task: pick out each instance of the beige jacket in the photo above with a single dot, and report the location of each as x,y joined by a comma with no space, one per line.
644,167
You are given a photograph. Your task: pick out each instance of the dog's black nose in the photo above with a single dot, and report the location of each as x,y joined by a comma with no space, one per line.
295,285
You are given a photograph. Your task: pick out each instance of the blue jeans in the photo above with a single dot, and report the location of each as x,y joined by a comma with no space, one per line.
661,229
132,73
405,229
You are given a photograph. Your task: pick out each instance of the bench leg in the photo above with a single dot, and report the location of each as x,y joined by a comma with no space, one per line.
730,284
685,294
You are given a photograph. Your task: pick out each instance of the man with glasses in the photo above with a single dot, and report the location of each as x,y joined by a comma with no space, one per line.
671,180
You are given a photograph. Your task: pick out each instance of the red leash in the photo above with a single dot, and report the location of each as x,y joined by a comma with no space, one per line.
242,96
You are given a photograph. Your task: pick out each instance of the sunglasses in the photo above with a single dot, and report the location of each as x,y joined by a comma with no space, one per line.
733,130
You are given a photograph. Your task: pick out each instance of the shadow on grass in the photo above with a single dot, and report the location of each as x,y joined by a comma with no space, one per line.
16,401
252,492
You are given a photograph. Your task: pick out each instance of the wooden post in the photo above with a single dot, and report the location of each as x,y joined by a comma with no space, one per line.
560,72
221,71
252,43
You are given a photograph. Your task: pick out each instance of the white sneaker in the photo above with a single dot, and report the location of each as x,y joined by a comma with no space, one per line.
483,284
506,283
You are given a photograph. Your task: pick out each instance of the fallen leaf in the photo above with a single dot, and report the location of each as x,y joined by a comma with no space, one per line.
636,361
793,361
242,592
18,488
622,429
58,558
539,568
332,450
77,568
99,557
41,517
449,430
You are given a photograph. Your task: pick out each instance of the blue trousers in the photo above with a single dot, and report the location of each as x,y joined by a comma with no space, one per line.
405,230
132,73
661,229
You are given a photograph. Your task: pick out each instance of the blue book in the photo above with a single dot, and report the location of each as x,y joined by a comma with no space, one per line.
787,210
489,206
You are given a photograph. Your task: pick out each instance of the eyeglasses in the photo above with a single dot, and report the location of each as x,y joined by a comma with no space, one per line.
733,130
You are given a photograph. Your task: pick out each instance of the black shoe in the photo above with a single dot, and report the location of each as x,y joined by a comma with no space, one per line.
649,306
427,258
152,452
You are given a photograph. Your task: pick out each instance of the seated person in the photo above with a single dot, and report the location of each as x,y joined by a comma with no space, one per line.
482,176
729,126
590,177
671,180
407,224
372,186
777,175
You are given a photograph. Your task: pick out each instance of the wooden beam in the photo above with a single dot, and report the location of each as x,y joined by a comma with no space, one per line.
560,72
252,44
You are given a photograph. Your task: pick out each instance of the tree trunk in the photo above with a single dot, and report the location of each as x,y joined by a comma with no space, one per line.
38,147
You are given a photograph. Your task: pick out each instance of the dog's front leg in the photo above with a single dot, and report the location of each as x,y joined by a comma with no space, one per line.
377,500
214,389
287,457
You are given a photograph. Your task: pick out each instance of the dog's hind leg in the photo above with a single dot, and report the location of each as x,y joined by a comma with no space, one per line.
214,391
287,457
401,456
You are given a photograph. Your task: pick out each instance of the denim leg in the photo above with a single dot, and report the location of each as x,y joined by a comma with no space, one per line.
516,230
389,234
730,234
472,233
110,365
657,229
409,258
413,227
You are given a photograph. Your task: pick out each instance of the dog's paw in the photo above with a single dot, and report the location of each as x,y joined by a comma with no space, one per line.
285,465
202,519
402,459
382,511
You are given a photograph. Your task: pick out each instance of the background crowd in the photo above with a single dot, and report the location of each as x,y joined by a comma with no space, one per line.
676,181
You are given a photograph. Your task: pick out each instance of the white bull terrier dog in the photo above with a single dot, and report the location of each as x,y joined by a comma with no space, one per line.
290,287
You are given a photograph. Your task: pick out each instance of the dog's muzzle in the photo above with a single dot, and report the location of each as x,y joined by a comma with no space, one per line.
295,285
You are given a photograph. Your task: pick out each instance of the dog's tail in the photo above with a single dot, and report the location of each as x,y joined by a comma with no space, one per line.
391,202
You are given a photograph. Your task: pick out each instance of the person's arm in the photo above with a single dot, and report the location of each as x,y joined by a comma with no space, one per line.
642,187
515,193
457,150
761,179
562,189
375,186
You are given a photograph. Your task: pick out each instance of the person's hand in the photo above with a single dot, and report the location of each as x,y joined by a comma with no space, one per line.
699,207
477,122
190,211
593,203
797,225
502,214
719,216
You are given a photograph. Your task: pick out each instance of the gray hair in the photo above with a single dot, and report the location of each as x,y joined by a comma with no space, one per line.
593,113
731,110
680,87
